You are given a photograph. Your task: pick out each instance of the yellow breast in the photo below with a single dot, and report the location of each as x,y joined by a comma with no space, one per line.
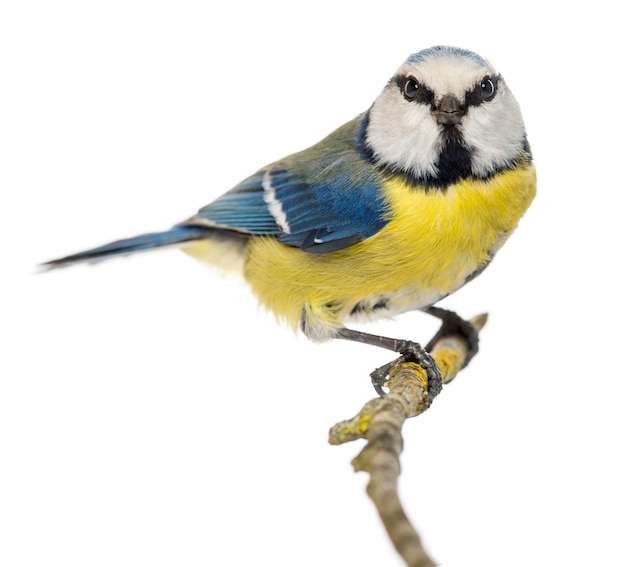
433,242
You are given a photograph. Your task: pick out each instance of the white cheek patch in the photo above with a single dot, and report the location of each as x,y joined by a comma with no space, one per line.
403,134
495,132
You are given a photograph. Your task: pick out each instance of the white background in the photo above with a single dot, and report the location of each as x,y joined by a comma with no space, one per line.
147,409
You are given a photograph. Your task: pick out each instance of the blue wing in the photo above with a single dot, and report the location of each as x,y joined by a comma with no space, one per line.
319,209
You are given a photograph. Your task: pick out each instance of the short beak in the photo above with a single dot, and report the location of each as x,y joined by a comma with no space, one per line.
449,110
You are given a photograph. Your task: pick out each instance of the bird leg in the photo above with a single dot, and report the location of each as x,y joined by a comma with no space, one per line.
453,324
409,350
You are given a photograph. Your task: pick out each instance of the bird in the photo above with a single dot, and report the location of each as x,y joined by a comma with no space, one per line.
391,212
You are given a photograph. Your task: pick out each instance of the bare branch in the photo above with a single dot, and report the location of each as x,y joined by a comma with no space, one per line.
380,422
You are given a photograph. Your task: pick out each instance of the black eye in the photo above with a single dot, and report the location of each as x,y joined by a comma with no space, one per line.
410,88
488,88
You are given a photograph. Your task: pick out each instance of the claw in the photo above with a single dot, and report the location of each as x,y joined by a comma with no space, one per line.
414,352
379,390
410,351
379,376
452,324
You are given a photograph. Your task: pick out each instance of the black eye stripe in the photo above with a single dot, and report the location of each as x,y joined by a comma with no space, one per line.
414,91
483,91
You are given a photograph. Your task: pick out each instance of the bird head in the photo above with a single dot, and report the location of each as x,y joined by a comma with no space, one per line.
446,113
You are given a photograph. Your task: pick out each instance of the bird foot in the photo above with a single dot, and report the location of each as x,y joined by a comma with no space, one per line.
411,352
453,324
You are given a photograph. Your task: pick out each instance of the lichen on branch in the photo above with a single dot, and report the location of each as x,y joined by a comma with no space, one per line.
380,421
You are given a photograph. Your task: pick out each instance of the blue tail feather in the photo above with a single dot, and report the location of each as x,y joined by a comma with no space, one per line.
175,235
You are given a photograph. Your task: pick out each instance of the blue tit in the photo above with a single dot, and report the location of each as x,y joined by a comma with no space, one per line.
391,212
